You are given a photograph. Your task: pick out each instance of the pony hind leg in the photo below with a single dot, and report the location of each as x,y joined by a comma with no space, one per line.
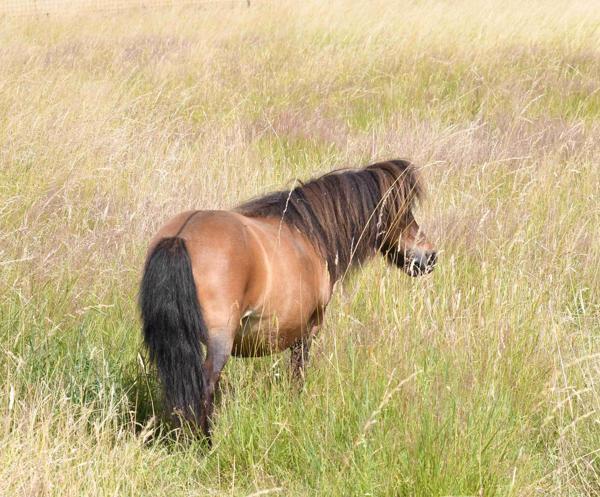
218,350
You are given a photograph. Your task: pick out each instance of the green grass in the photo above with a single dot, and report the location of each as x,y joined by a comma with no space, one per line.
480,379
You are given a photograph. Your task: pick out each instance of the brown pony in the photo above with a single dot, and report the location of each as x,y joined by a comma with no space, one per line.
257,279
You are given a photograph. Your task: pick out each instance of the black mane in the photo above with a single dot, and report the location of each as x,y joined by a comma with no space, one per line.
346,214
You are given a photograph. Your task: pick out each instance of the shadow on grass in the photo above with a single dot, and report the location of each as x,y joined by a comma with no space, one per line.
146,414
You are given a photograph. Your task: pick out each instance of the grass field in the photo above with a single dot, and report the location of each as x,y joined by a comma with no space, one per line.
482,379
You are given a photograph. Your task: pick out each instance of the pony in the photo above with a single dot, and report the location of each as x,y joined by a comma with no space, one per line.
257,279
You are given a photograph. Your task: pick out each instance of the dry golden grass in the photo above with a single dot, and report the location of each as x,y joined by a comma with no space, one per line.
482,379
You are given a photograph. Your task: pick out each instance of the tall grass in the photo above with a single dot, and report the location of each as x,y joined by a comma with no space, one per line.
481,379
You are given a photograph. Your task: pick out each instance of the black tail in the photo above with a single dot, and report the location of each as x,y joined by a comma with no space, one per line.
173,327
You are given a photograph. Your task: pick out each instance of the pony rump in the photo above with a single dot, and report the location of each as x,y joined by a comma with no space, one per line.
347,214
174,327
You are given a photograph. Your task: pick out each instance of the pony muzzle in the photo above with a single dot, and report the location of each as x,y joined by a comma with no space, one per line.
419,263
413,262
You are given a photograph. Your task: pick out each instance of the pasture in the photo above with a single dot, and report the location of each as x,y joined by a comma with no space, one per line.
481,379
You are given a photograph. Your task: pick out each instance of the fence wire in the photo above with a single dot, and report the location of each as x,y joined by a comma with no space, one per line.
37,7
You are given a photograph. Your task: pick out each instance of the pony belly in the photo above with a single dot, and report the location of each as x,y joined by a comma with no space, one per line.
259,336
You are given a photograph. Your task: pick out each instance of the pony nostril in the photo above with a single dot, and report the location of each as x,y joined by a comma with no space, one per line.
431,259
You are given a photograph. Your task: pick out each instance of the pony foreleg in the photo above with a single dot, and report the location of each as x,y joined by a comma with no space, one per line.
218,350
300,353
